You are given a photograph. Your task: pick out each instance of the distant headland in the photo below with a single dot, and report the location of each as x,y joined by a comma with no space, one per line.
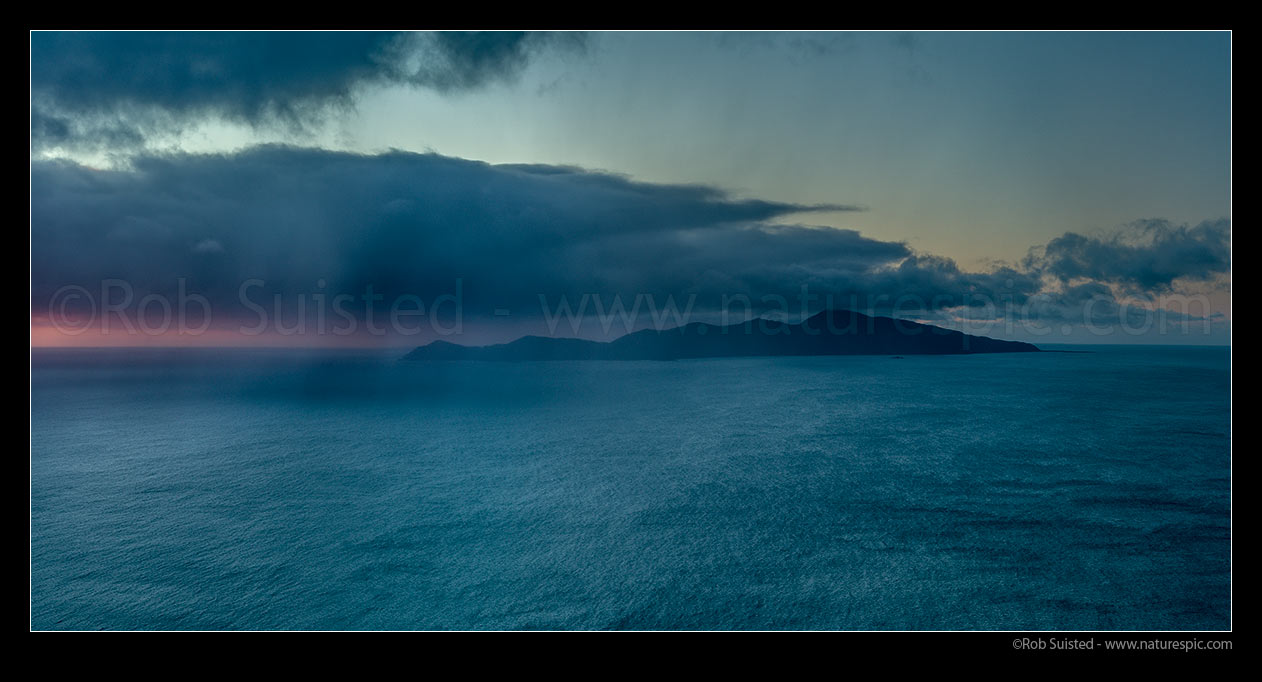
832,332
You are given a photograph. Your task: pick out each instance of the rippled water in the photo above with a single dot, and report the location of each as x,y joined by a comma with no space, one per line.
251,489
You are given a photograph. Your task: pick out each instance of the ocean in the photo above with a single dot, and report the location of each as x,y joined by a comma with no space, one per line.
267,489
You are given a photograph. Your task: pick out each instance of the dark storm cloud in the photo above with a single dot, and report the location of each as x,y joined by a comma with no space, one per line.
942,283
407,224
303,220
111,89
1145,256
463,60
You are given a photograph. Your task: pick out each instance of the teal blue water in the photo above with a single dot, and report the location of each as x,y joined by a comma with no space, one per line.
252,489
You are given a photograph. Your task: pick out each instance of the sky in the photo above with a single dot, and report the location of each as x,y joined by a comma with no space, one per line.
226,188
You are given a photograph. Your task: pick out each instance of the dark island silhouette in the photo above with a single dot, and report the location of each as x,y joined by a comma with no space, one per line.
832,332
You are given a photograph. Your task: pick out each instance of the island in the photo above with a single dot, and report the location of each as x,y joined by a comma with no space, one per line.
832,332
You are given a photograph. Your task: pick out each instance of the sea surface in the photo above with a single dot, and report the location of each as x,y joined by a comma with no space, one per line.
199,489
